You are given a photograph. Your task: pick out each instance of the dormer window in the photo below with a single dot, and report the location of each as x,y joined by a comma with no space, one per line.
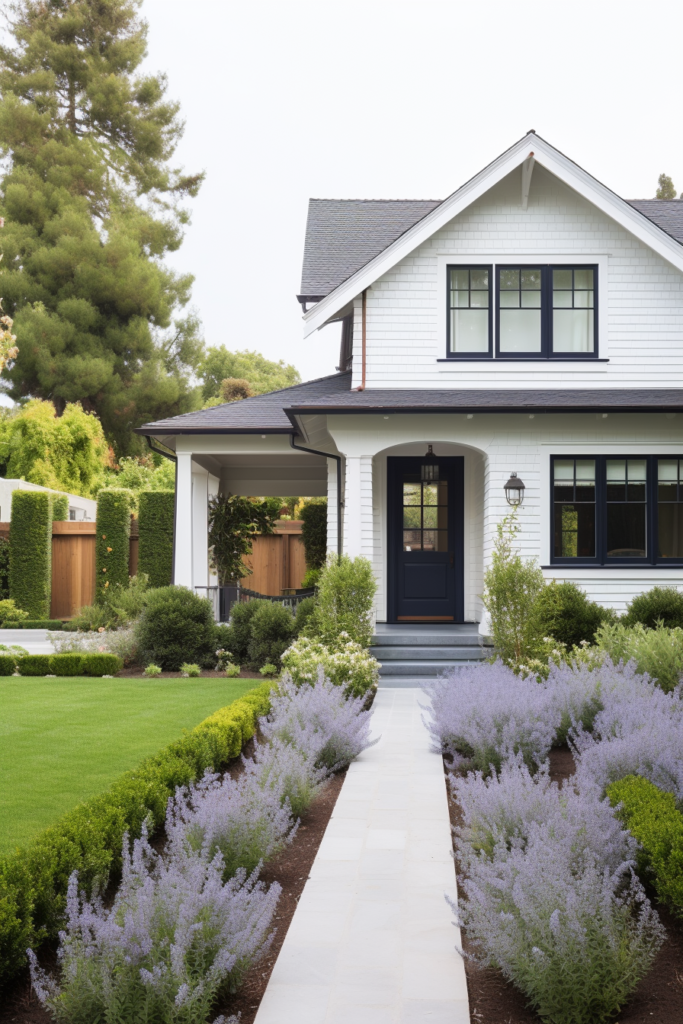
541,312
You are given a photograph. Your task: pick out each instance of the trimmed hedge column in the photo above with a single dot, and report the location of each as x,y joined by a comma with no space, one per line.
60,508
113,539
155,551
30,576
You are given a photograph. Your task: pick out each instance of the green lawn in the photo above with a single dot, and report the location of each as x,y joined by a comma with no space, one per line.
63,740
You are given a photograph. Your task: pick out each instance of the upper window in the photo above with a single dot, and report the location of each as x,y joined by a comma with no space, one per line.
608,510
469,311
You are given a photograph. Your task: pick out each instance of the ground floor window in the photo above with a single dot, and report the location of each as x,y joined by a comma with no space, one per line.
608,510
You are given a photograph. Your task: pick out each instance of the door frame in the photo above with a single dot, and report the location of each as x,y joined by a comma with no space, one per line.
395,463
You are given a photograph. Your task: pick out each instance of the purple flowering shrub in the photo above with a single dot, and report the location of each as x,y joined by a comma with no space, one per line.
175,938
486,714
328,728
245,822
284,770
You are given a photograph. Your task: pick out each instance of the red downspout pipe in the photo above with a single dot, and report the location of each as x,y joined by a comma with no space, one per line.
364,307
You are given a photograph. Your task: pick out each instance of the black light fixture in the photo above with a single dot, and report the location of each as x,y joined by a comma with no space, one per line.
429,471
514,490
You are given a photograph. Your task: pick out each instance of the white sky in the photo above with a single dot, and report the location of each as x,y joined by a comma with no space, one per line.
286,100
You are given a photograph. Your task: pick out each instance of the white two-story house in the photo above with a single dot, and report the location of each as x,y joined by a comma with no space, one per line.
529,324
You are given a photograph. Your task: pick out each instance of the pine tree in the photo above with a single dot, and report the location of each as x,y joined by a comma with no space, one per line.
91,206
666,188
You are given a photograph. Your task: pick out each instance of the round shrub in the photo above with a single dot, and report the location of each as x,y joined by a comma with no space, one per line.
660,603
304,610
7,665
176,626
238,632
564,612
272,631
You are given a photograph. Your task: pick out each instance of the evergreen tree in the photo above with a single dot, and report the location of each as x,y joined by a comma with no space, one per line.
665,188
259,373
91,206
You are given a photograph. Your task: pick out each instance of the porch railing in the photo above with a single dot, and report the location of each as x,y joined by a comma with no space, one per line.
224,598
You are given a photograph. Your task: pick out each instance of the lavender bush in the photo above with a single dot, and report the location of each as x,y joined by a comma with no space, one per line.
327,728
175,938
485,713
285,771
242,820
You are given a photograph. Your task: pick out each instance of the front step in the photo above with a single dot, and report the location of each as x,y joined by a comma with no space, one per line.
396,653
421,652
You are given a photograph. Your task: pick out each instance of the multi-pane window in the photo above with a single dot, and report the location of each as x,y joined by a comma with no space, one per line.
425,514
519,317
469,311
607,510
573,310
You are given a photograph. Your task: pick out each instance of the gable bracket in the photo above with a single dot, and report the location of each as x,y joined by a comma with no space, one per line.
527,171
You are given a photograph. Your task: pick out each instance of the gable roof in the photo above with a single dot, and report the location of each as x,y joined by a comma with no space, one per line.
342,235
641,222
665,213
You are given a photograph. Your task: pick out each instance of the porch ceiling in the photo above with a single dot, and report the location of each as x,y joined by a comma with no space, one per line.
268,475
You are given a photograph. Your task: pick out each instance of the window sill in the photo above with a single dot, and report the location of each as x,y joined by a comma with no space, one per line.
522,359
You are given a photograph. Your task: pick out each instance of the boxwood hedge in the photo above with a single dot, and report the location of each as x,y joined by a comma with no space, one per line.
60,508
30,573
33,881
155,551
112,558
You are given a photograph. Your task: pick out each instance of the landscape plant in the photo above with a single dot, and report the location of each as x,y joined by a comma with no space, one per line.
659,605
60,508
8,664
234,521
313,516
30,576
156,513
344,602
175,938
232,671
176,626
268,670
272,630
9,611
564,612
190,671
511,589
152,671
284,770
112,549
657,652
347,664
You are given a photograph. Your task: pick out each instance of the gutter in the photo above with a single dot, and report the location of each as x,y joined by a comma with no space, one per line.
337,458
364,308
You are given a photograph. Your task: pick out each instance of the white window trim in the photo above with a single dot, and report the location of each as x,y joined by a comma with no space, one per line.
444,260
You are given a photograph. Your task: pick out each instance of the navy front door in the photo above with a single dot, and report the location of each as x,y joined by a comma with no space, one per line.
425,541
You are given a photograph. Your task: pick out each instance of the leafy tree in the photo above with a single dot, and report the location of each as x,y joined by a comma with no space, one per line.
233,522
665,188
233,389
262,374
67,452
91,206
141,474
512,587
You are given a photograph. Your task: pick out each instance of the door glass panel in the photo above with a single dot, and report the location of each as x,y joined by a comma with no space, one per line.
425,514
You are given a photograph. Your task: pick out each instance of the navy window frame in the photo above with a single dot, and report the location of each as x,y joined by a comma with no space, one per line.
449,308
651,504
546,351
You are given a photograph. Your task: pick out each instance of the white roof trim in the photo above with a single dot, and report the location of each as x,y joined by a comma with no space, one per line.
546,155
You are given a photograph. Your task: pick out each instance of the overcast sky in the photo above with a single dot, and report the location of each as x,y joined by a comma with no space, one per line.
286,100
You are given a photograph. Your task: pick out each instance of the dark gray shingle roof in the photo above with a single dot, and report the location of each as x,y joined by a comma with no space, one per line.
268,413
342,235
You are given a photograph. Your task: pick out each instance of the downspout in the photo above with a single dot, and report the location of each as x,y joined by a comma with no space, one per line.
364,324
172,458
338,458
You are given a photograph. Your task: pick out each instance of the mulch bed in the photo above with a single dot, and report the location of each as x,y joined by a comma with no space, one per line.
657,1000
290,868
207,673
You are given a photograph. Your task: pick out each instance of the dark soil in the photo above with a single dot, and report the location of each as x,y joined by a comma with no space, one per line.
290,868
657,1000
207,673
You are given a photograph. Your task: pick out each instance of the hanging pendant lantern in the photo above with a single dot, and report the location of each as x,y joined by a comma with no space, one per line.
429,471
514,490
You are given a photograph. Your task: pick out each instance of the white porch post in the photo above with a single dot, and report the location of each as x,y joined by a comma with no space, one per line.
200,528
358,519
183,521
332,508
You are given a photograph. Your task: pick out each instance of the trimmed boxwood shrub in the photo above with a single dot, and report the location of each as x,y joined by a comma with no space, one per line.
651,816
665,603
66,664
314,532
88,839
176,626
272,631
112,557
60,508
564,612
155,550
101,664
30,576
34,624
8,665
34,665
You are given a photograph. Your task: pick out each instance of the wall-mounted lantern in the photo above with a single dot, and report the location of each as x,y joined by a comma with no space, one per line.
429,471
514,490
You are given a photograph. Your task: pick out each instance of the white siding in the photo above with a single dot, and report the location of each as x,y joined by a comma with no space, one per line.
644,295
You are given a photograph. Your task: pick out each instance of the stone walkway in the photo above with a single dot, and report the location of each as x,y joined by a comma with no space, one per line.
35,641
372,941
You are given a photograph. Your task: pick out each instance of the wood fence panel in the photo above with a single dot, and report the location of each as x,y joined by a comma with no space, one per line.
278,560
73,568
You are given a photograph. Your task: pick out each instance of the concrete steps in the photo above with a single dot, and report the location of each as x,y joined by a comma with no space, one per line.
414,652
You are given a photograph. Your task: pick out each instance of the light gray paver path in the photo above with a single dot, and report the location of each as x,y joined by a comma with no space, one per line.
35,641
372,941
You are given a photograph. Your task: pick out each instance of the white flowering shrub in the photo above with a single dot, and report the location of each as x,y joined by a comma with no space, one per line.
348,665
121,642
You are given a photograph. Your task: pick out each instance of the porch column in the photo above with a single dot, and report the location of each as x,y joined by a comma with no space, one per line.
200,528
332,524
183,521
358,518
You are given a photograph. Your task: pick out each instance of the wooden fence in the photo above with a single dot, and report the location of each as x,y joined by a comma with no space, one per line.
278,561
